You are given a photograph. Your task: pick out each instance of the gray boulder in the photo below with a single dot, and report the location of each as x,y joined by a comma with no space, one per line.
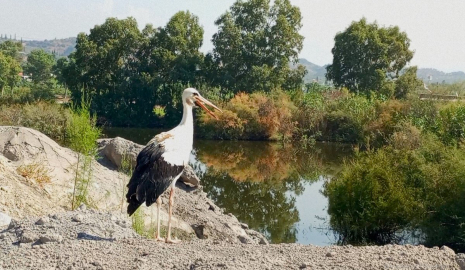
114,150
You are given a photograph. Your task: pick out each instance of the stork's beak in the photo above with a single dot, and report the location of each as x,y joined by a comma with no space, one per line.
201,101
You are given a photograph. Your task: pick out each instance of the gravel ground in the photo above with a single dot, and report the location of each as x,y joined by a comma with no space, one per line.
88,239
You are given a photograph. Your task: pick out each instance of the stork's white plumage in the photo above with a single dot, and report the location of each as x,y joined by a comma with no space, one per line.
162,161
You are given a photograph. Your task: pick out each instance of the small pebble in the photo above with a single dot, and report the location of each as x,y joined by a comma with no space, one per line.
330,254
78,218
82,207
42,221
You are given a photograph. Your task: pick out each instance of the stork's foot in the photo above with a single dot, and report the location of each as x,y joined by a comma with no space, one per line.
159,239
172,241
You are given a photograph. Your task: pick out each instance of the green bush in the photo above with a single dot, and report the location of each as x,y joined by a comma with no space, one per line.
412,185
341,127
451,123
81,136
48,118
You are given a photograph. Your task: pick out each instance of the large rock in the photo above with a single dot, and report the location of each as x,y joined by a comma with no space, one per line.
32,154
194,213
115,150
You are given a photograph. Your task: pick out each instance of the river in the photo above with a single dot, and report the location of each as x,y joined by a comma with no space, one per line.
274,188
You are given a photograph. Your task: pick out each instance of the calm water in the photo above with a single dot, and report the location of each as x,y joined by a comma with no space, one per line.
273,188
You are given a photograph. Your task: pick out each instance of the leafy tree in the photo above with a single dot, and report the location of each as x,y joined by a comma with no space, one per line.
176,60
12,49
407,83
365,56
39,64
127,72
104,68
9,71
255,43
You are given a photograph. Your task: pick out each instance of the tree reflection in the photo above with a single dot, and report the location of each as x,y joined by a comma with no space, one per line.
258,182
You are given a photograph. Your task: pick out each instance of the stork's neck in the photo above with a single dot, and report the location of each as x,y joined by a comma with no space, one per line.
187,116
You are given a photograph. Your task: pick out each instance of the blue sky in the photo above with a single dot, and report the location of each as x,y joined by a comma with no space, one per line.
436,28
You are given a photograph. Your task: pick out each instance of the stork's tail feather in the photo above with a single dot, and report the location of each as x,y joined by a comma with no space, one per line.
133,205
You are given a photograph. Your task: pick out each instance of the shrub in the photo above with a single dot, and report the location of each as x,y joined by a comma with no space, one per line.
384,195
451,123
48,118
389,114
81,136
346,117
253,117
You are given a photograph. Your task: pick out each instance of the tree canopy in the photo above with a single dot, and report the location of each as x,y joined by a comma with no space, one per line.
9,71
127,72
365,56
255,43
39,64
12,49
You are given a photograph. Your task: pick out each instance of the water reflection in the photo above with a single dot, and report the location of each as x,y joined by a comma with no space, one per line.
259,182
274,188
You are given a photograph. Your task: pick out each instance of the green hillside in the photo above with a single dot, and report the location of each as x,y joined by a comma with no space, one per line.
61,47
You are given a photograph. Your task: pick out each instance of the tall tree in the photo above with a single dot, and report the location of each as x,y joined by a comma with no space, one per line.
126,72
9,72
105,65
40,64
12,48
176,59
365,56
255,43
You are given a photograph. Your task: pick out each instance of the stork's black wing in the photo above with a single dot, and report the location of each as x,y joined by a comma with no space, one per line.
151,177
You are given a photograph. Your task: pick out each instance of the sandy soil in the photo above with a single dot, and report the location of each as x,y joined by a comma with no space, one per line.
87,239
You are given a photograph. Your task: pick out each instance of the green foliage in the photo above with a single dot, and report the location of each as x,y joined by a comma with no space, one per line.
366,55
12,49
457,88
48,118
407,83
252,117
9,71
138,221
127,169
451,123
39,64
81,131
254,44
415,184
127,72
81,136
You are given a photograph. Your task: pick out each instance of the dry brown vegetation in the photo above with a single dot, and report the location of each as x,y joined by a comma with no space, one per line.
35,171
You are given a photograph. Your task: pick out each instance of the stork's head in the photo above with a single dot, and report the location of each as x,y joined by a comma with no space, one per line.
191,96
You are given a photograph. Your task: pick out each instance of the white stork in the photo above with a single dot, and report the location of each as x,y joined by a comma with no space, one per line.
162,161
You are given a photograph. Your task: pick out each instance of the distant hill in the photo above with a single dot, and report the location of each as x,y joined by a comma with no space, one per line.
61,47
431,75
316,72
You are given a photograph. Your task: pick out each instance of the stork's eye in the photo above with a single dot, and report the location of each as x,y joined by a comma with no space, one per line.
196,94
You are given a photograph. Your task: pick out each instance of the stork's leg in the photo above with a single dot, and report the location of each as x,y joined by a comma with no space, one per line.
168,237
157,236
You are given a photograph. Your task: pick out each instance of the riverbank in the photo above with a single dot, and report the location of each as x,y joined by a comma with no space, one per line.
44,235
